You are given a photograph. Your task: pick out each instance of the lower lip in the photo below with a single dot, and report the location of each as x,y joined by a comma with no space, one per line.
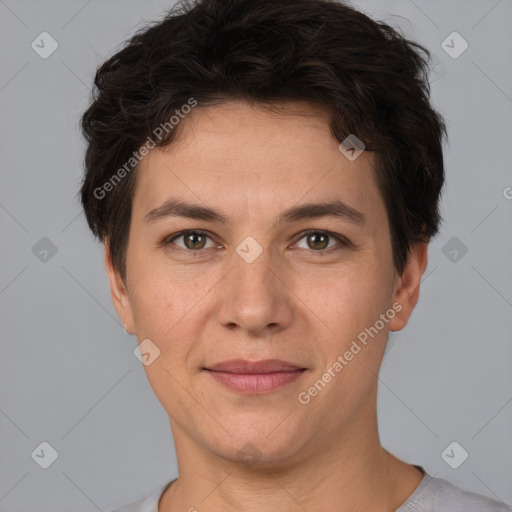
255,383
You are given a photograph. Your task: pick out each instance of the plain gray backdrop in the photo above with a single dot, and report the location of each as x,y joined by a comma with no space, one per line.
68,373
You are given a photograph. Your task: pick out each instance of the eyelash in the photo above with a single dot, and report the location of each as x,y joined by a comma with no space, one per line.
343,242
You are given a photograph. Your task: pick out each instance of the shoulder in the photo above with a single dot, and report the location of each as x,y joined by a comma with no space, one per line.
439,495
148,504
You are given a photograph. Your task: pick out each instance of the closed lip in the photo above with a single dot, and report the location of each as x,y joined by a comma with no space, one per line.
246,367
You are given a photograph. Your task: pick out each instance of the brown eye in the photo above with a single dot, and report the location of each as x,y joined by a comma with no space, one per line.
191,241
320,241
194,241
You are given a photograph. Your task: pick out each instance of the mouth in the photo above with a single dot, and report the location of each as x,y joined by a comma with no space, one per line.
255,377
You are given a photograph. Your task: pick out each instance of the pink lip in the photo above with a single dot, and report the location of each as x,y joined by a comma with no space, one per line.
255,377
264,366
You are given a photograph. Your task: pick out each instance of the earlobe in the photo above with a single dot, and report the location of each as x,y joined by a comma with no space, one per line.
408,286
119,293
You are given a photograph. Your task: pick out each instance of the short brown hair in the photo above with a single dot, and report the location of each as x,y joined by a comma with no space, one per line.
372,80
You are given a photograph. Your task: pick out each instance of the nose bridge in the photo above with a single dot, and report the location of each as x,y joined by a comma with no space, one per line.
255,297
253,276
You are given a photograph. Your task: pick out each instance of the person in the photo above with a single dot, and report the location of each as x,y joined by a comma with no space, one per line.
265,178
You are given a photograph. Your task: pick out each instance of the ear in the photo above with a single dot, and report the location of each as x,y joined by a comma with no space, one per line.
119,293
407,287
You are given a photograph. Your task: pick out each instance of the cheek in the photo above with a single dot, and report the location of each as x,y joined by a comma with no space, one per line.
351,298
164,313
155,296
168,308
161,312
356,301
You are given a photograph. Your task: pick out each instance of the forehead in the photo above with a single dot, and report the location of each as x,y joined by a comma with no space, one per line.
244,157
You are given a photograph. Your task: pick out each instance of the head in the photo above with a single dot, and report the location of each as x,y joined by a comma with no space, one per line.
236,223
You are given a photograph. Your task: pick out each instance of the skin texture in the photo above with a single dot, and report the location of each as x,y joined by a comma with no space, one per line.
291,303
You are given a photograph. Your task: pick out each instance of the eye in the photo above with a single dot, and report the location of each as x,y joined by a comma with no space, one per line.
319,241
193,241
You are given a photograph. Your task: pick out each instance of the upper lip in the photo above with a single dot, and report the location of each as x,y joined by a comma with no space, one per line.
263,366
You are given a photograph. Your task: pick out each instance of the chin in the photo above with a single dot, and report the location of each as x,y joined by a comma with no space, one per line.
263,445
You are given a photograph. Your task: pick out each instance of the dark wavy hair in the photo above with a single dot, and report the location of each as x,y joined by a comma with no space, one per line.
371,79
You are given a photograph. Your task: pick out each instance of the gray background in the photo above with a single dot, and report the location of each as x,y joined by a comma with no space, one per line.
68,373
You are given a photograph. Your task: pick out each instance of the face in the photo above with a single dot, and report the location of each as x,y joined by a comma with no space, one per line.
256,273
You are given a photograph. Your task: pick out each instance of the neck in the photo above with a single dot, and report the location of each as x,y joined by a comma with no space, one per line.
343,471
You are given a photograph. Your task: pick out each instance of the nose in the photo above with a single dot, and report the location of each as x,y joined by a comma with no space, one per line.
254,297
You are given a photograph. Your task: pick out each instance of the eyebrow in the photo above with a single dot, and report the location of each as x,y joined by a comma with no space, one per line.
177,208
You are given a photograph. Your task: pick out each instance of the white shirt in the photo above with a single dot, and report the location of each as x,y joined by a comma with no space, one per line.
431,495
